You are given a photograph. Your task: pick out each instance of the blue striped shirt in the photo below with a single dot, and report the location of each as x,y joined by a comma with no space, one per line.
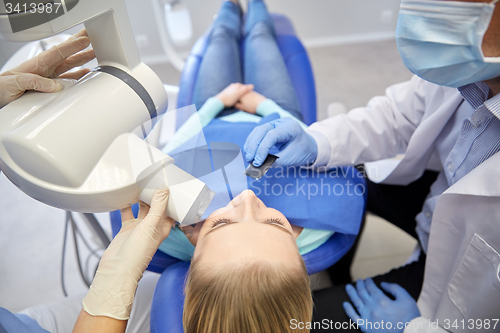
479,137
470,137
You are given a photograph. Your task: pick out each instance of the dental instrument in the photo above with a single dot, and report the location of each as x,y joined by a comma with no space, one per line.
260,171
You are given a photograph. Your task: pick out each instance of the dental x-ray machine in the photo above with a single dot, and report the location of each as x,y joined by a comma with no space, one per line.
82,149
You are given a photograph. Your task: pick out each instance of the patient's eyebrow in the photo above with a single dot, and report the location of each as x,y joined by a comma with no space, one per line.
267,222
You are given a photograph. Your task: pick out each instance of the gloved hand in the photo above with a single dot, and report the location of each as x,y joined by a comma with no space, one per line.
127,257
37,73
374,306
297,148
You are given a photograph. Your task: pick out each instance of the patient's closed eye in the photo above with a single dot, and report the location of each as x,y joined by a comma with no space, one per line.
223,221
275,221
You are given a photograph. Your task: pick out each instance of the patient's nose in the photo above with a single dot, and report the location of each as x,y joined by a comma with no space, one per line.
248,204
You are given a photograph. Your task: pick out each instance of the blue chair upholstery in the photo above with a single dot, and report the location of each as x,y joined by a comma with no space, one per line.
168,299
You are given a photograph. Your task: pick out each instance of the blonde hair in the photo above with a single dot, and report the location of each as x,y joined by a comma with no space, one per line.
251,298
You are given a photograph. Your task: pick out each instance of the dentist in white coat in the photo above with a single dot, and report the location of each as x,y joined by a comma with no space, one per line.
445,118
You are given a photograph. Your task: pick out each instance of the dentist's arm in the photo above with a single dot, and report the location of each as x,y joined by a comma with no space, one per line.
107,306
380,130
87,323
37,73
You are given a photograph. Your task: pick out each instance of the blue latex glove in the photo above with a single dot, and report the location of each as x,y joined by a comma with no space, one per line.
297,148
373,306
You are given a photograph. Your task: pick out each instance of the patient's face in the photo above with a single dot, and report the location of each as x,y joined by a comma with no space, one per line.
244,231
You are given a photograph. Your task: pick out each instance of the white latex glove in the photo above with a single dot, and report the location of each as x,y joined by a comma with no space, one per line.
38,72
127,257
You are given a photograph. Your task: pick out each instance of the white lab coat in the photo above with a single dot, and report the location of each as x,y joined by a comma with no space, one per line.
462,270
462,277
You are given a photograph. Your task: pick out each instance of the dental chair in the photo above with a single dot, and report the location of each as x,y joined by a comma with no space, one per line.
168,300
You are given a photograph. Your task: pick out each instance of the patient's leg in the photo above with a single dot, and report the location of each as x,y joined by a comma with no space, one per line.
264,65
221,62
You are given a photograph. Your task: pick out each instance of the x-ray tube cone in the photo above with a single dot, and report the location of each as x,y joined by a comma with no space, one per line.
189,197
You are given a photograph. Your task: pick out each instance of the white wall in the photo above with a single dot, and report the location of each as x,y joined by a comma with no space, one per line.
332,21
7,49
318,22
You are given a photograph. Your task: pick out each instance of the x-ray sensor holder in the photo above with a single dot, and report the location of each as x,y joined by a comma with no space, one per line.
83,149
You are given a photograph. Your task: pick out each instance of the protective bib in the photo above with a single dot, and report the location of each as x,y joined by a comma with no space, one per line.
332,200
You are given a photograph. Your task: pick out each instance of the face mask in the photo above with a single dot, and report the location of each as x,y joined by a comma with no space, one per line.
440,41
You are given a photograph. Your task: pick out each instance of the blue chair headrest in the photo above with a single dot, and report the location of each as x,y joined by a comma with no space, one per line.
168,300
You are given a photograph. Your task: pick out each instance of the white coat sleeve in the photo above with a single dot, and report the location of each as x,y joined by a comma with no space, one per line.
423,325
380,130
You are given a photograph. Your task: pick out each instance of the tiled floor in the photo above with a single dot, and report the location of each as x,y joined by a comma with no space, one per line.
31,239
31,233
381,248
